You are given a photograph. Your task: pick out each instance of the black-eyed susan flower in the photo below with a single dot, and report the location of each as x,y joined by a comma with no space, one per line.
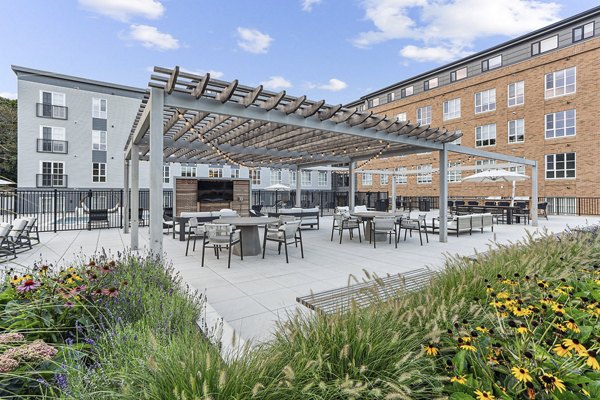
562,350
482,329
522,374
15,280
551,382
492,360
523,330
592,361
558,309
484,395
572,325
503,295
431,350
530,391
543,284
468,347
561,328
521,312
459,379
573,344
496,303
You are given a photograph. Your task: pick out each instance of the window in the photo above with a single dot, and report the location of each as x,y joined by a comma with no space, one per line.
215,172
384,179
292,178
454,176
322,178
491,63
98,172
166,173
560,124
99,108
560,166
516,93
424,174
360,108
367,179
452,109
188,170
544,45
374,102
458,74
401,117
275,176
52,174
408,91
424,115
519,169
485,101
485,135
306,178
255,176
560,83
516,131
99,140
52,105
401,177
235,173
52,98
481,163
52,140
430,84
391,97
583,32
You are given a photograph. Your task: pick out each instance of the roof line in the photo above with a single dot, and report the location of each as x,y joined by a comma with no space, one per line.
25,70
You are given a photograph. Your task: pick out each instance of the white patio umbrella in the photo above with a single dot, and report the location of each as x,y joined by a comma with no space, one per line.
4,182
278,187
495,175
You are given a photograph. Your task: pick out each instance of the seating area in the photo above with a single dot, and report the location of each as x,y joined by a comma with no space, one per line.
309,217
17,237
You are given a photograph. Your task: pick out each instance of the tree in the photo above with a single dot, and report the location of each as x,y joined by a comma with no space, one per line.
8,139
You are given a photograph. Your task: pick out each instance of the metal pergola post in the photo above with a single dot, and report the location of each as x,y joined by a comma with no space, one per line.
126,196
298,187
534,194
156,162
443,195
135,196
351,185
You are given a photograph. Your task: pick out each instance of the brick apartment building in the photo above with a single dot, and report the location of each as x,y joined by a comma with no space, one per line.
536,96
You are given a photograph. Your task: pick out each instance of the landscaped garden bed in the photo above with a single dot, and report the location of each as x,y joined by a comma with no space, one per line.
521,322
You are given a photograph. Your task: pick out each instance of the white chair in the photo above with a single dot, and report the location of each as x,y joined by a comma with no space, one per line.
384,225
360,209
418,224
7,248
17,234
288,233
31,230
228,212
196,231
218,236
342,222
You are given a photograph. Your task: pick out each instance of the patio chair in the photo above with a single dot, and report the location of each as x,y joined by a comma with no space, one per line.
521,213
419,224
384,225
7,248
168,220
218,236
342,222
31,230
18,235
360,209
542,207
195,232
228,212
287,233
254,213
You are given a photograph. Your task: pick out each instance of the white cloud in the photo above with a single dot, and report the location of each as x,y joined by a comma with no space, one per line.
307,5
276,83
8,95
447,29
334,85
124,10
150,37
253,41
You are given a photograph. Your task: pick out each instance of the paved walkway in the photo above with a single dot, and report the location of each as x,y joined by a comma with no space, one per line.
255,293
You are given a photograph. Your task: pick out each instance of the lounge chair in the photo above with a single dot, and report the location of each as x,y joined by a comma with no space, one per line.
7,248
18,235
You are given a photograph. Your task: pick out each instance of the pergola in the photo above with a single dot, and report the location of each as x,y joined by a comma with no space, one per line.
190,118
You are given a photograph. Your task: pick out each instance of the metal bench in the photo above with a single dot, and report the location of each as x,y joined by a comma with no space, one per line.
366,293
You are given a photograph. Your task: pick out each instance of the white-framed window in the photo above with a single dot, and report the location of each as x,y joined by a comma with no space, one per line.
456,175
322,178
485,101
373,102
367,179
215,172
424,115
485,135
407,91
481,163
166,173
384,179
491,63
53,98
53,105
255,176
516,131
516,93
519,169
52,174
458,74
391,97
293,176
560,83
544,45
561,124
99,172
306,178
188,170
235,173
275,176
583,32
52,139
560,166
401,178
401,117
431,83
99,140
424,173
452,109
360,108
99,108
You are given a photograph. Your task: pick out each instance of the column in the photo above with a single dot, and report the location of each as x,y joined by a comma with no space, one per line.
135,195
298,187
444,195
393,179
125,204
157,97
534,195
352,186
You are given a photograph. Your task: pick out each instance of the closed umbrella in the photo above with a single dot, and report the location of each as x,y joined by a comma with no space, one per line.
495,175
278,187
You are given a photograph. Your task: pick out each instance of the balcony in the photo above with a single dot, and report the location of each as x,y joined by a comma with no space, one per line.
51,181
52,146
51,111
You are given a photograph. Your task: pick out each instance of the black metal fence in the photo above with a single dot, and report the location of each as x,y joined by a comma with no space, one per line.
326,200
63,210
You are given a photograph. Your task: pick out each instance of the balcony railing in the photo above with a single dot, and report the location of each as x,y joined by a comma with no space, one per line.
52,111
51,181
52,146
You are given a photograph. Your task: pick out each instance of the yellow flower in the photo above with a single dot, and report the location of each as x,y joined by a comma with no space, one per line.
503,295
468,347
465,339
510,303
585,392
431,350
496,304
509,282
547,301
522,374
551,382
483,329
543,284
484,395
562,351
489,289
458,379
492,360
572,326
521,312
573,344
558,308
592,362
15,280
561,327
522,330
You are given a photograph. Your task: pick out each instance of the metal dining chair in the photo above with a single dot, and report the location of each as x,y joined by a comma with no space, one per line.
218,236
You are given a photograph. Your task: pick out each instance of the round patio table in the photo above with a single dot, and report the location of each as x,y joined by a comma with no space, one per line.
248,230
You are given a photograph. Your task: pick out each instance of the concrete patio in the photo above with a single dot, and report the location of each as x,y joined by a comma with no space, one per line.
255,293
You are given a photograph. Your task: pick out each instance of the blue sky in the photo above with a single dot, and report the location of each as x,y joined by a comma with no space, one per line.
337,50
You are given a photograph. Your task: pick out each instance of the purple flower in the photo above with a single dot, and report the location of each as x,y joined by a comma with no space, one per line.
61,381
69,341
69,304
89,341
28,285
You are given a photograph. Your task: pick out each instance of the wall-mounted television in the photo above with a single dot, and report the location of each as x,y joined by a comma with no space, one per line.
214,191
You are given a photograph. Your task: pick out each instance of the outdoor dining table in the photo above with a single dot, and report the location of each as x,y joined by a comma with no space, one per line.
248,227
368,216
507,211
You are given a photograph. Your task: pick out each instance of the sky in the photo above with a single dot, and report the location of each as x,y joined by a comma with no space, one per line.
337,50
